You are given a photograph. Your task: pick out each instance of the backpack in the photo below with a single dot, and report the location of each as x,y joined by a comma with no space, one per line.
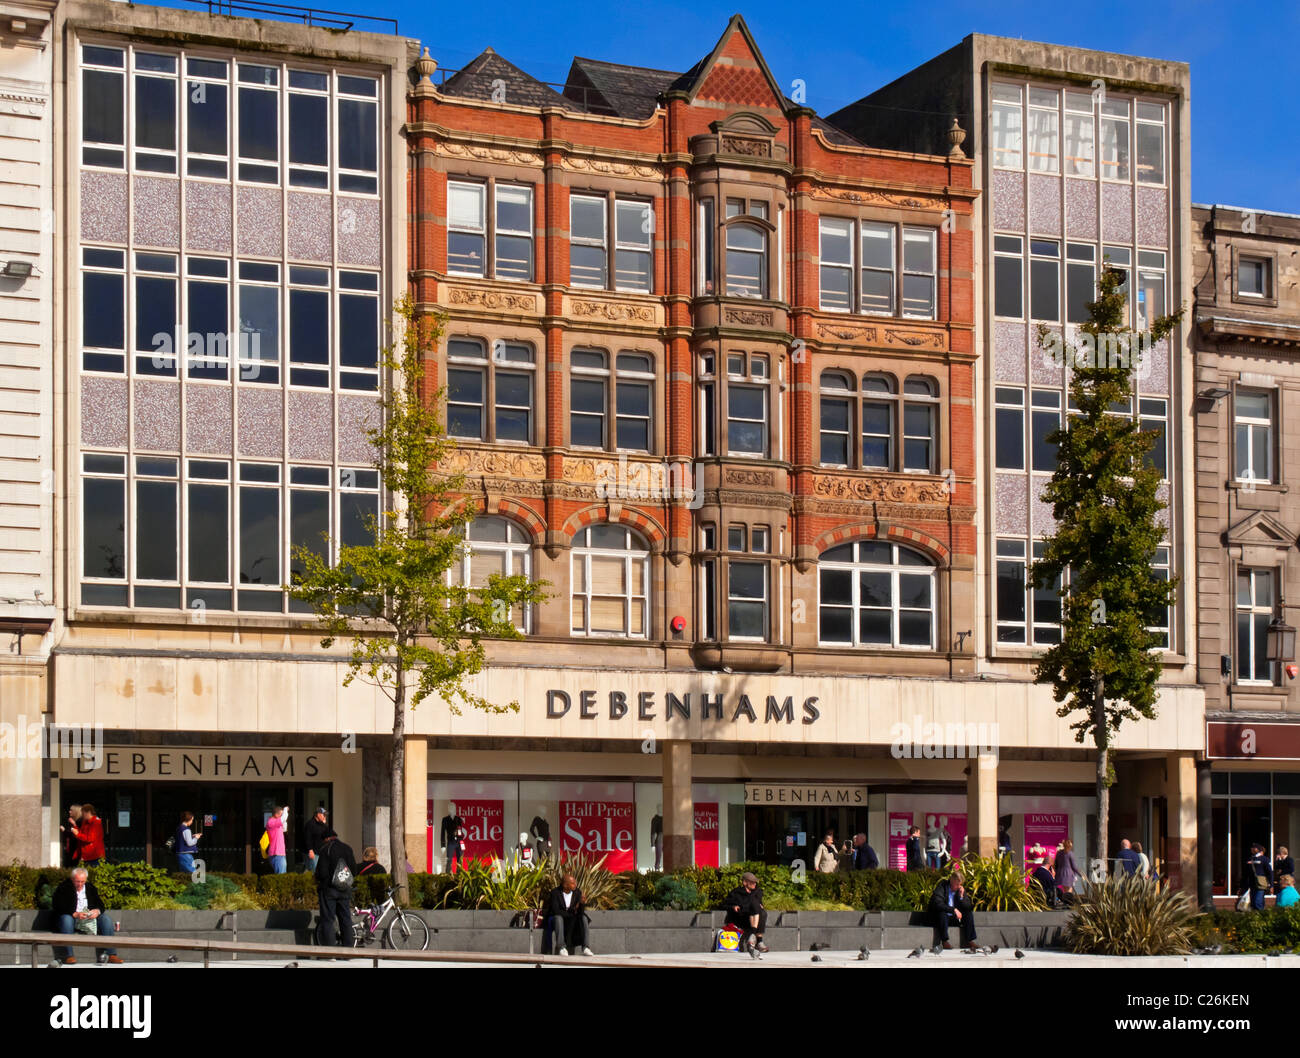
342,877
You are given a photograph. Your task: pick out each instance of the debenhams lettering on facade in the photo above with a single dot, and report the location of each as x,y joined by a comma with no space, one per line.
201,764
722,707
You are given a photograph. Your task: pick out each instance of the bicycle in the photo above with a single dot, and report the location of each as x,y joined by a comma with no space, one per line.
404,932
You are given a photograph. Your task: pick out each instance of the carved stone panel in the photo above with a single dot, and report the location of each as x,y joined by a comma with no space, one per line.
612,311
475,461
491,299
885,490
749,317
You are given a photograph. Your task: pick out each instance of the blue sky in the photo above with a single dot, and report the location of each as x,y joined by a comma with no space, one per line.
1245,83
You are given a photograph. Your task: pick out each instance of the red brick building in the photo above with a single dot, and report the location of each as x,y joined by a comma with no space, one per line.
709,361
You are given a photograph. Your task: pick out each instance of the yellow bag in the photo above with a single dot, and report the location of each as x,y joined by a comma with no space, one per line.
264,843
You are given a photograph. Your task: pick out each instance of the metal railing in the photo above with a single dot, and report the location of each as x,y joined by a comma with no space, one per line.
295,952
309,16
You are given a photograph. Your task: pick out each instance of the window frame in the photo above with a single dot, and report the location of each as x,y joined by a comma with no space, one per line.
635,550
895,568
1252,425
1254,610
510,548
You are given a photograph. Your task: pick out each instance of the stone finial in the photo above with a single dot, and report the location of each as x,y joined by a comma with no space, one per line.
956,136
426,66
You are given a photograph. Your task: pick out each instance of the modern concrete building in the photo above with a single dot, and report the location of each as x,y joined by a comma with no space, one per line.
1082,159
1247,347
27,393
227,218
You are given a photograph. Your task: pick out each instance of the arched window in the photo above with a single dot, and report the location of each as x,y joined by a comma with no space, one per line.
494,545
873,593
836,419
746,261
610,583
920,424
879,401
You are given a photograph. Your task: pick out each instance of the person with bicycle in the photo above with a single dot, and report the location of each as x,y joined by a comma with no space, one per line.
336,872
567,912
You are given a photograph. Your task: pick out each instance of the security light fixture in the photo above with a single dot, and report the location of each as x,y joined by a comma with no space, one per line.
17,269
1216,393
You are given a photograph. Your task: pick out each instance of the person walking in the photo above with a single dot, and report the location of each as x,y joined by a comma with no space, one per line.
827,858
89,833
1284,864
336,873
1256,878
933,843
1067,871
864,856
915,860
313,836
1144,861
186,843
1127,862
68,842
275,854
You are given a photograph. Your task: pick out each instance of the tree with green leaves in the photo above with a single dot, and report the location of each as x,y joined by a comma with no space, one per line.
415,631
1104,498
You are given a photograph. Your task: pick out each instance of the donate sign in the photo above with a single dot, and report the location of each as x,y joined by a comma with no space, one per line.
600,828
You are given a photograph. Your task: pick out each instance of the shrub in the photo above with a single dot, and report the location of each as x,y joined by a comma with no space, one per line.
118,882
286,892
1249,931
200,895
997,884
675,894
601,887
151,903
1128,915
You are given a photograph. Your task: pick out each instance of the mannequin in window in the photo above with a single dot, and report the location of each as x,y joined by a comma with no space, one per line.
657,835
540,829
945,848
524,851
453,838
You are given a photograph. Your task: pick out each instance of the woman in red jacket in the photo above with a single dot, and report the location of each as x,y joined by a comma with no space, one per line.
89,833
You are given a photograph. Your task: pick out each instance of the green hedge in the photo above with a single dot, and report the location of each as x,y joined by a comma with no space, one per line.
1249,931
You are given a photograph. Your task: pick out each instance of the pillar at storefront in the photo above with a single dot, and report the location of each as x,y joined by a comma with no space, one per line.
1204,835
1179,792
415,798
22,696
982,805
679,809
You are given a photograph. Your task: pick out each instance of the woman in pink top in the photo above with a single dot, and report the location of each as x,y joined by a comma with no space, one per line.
275,831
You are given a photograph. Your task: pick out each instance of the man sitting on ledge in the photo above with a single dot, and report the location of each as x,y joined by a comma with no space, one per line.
948,905
567,914
76,901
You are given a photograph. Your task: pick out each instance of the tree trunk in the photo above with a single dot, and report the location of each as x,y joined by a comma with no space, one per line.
1102,736
397,787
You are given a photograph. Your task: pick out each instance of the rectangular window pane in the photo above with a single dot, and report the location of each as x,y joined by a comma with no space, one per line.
309,520
259,536
104,528
465,403
259,125
1044,290
206,107
1008,295
1010,423
358,143
208,525
308,130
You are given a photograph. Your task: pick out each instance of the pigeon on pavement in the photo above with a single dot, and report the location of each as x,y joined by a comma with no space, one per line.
1019,954
863,954
916,953
816,958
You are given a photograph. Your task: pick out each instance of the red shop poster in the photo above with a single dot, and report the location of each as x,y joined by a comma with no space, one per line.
484,829
1044,831
706,835
600,828
899,824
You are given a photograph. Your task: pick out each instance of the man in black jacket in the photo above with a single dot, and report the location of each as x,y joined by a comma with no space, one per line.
334,890
1043,877
864,856
915,858
313,836
567,913
744,907
74,901
949,904
1257,878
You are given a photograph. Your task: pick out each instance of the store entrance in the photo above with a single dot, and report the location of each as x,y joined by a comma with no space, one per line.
230,816
783,835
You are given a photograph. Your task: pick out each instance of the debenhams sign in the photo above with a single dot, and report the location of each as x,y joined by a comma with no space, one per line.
202,765
646,705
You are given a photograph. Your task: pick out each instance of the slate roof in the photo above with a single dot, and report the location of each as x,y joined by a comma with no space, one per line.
475,81
615,89
593,87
